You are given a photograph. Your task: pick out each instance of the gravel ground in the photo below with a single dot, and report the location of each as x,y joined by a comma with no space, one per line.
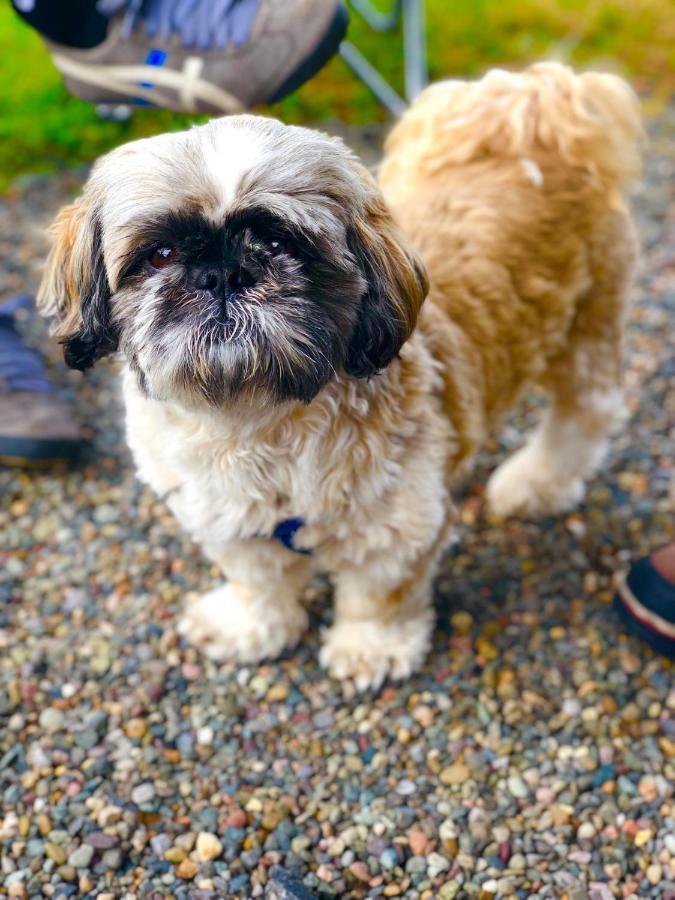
534,755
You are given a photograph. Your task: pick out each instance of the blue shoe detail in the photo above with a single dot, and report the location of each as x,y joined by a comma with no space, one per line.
156,57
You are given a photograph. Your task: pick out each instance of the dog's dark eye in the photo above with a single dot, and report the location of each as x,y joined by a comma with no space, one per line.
162,256
281,245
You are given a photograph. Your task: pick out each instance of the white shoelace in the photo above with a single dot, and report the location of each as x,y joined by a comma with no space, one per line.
200,23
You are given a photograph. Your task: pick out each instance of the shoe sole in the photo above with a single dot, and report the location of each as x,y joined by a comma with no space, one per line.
318,58
31,452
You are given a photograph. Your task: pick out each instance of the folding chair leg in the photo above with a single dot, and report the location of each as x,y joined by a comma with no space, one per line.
411,14
416,73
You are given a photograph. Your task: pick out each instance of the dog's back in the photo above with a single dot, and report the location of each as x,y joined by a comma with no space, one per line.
512,189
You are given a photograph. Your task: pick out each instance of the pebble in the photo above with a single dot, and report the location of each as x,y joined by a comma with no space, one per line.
586,831
418,842
101,840
457,773
436,864
360,871
51,720
187,870
654,874
143,793
81,856
205,736
208,846
517,787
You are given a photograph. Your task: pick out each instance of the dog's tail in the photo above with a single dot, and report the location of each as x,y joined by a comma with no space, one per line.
591,122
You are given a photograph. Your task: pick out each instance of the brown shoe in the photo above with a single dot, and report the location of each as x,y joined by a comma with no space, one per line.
36,429
35,425
208,56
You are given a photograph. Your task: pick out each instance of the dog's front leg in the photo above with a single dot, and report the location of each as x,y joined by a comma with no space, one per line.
383,615
257,613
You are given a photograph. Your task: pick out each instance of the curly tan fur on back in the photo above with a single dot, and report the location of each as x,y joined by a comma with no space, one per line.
511,189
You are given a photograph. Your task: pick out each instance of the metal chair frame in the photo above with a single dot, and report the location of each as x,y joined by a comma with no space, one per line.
409,15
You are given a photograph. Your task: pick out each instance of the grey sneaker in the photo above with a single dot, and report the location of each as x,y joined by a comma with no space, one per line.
36,426
204,56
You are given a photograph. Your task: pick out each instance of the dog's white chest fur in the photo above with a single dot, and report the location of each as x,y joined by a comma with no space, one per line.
218,485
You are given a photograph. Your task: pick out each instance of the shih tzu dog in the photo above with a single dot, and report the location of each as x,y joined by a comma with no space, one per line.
285,388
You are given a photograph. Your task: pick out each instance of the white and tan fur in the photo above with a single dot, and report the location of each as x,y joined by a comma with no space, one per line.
511,190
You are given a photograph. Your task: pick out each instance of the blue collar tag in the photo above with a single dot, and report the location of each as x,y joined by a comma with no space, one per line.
285,534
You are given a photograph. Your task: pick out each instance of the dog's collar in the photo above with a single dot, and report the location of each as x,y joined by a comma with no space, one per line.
284,532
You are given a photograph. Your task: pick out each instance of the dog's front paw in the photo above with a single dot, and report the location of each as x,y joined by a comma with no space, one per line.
368,652
527,484
224,625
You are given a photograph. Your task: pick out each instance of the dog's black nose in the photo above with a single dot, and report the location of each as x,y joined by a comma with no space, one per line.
224,282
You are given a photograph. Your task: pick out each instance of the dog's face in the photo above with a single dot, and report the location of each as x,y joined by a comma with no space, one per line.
243,258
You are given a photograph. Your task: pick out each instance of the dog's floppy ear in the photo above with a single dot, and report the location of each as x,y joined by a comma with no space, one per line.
75,289
396,285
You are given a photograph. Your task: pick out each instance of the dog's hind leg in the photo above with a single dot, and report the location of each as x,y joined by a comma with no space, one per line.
584,383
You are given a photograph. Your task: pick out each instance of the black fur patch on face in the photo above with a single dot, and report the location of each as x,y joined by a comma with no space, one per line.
253,306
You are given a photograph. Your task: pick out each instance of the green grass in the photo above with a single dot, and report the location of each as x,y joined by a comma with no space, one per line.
43,129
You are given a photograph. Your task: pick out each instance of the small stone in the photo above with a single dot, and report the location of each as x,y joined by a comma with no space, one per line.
160,843
462,622
109,815
300,843
654,874
517,787
236,818
51,720
277,693
436,864
175,855
68,873
418,841
571,707
81,857
647,789
205,736
136,729
643,837
389,858
457,773
424,715
187,870
101,840
112,859
208,846
406,787
448,834
360,870
631,713
326,873
586,831
143,793
486,649
53,851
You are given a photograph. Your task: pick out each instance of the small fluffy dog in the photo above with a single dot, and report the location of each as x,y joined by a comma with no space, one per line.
286,390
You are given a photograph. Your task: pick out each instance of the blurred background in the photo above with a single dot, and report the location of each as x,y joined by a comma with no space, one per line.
42,128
